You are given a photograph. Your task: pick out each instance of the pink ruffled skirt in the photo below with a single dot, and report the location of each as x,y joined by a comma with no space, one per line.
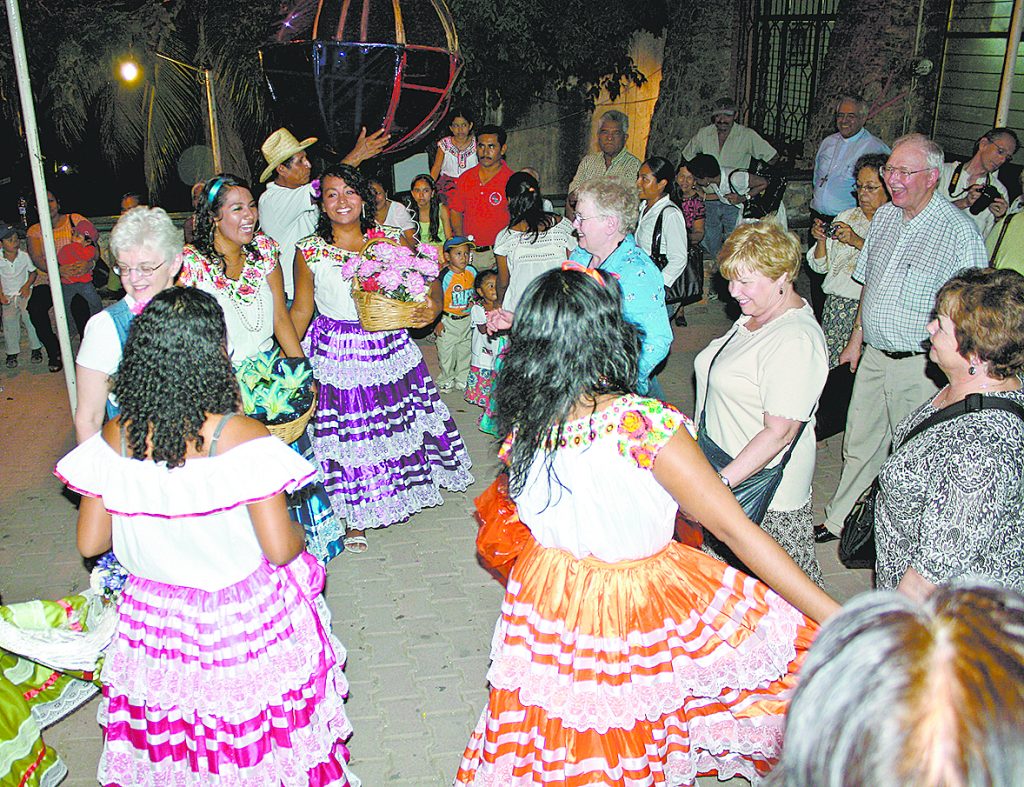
242,685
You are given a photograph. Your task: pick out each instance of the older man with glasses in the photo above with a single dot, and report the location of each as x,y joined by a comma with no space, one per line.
916,243
973,186
833,172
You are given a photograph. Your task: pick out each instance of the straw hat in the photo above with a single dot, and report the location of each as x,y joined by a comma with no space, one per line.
279,147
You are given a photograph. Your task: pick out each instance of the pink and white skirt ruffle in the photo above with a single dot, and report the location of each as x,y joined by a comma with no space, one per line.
242,685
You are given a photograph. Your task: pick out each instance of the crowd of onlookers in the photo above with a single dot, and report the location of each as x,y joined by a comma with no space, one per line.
911,343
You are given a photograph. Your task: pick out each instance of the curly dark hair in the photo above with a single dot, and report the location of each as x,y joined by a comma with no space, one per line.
211,200
353,179
569,340
175,369
525,205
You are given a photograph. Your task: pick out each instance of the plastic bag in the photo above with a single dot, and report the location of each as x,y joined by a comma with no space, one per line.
501,536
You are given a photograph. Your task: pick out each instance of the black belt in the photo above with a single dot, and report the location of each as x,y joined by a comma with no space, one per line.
456,316
482,248
899,356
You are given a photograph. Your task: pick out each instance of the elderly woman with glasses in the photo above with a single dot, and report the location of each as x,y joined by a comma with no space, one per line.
147,249
605,220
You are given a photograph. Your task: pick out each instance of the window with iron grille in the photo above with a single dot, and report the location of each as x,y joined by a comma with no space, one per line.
782,49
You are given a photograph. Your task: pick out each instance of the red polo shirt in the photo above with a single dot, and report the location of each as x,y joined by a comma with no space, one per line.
483,206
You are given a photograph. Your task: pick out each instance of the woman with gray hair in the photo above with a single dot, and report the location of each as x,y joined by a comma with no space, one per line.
146,247
605,220
897,693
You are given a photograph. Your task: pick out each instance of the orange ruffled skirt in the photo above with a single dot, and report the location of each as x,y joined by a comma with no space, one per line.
648,672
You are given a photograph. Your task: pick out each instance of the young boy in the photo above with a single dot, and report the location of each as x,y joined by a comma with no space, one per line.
454,337
17,275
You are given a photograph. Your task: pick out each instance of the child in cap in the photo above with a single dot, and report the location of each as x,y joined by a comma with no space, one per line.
76,278
454,336
17,275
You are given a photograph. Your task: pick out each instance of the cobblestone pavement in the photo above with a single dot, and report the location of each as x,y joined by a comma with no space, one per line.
415,612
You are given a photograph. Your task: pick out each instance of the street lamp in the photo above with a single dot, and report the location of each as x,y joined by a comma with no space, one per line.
130,71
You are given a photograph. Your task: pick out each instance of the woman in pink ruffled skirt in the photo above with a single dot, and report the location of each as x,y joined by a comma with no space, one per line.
222,669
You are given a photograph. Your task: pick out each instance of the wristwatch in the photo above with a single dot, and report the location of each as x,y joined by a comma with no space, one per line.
725,481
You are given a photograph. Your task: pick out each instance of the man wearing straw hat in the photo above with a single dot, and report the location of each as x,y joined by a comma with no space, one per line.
287,210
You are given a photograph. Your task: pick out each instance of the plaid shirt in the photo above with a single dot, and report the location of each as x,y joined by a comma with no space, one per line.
904,263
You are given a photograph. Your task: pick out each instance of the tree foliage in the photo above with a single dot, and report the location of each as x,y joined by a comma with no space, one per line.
518,52
514,53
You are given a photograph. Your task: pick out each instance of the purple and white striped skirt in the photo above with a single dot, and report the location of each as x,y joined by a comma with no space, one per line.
385,440
242,685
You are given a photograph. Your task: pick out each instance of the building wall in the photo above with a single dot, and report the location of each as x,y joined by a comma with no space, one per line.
971,70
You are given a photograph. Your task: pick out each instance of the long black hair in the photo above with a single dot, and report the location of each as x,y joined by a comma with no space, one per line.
211,200
175,369
434,227
354,180
569,341
525,204
663,169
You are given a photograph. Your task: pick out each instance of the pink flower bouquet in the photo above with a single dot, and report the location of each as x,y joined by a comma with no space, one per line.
390,282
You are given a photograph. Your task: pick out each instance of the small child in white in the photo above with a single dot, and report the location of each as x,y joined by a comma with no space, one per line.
17,275
485,347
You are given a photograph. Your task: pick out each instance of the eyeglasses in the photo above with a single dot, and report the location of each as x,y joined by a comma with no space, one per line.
142,272
901,172
580,218
866,187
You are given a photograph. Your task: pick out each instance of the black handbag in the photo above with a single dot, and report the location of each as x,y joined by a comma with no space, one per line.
754,493
767,201
689,286
857,539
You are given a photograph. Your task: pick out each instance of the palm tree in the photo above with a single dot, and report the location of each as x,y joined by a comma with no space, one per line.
78,51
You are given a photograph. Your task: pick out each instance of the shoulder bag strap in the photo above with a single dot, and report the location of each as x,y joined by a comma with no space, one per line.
707,390
656,238
999,240
973,403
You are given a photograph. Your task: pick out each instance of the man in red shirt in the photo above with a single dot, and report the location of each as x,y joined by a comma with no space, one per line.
477,204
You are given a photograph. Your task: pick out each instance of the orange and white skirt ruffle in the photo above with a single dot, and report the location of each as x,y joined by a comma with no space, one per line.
649,672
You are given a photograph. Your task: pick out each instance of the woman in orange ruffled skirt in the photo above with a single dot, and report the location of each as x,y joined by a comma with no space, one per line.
622,656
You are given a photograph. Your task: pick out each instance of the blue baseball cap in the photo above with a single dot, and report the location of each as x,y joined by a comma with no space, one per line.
458,240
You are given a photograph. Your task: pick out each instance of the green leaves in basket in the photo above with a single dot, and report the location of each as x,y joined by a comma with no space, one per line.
274,399
293,377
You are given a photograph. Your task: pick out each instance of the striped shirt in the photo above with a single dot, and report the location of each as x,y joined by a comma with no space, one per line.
904,263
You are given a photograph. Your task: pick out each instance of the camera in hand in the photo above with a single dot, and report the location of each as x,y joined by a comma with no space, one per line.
985,198
832,230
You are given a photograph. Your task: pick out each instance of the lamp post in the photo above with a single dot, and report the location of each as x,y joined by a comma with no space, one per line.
130,71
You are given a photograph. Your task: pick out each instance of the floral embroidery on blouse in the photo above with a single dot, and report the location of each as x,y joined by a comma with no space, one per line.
196,269
447,144
640,426
315,249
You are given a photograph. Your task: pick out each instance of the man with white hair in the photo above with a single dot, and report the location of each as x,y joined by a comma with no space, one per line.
610,160
916,243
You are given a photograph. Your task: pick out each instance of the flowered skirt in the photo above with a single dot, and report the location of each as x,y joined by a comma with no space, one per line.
488,422
34,696
837,318
644,672
478,385
386,442
242,685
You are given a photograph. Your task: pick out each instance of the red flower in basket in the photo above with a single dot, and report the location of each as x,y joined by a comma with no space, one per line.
370,285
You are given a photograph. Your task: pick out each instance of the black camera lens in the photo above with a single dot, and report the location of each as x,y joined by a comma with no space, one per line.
987,196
